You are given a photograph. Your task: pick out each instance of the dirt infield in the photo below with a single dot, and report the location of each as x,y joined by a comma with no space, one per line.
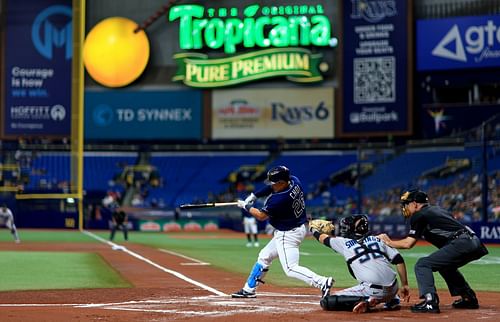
174,288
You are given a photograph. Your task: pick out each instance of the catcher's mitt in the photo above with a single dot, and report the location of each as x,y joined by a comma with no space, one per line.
322,226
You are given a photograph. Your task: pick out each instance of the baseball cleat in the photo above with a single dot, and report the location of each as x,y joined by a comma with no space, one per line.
430,304
425,307
466,304
325,289
243,294
393,305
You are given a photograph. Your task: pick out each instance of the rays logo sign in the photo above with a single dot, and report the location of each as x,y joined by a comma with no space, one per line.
279,34
468,42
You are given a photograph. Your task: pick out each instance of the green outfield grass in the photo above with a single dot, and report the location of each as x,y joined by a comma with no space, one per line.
230,254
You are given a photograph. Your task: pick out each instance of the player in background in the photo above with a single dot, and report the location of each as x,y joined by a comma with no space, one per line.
250,228
119,220
458,245
286,210
7,220
369,262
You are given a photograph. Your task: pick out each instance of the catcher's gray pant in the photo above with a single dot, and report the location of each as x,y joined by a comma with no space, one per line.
446,261
377,292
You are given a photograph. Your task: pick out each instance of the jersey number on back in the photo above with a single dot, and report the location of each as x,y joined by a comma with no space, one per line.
298,204
368,256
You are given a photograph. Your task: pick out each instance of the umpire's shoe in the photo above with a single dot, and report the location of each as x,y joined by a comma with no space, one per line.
429,305
243,294
468,301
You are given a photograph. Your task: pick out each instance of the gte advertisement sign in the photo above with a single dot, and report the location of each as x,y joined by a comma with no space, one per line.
278,33
466,42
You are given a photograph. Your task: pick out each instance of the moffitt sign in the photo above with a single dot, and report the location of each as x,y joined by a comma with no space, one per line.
278,31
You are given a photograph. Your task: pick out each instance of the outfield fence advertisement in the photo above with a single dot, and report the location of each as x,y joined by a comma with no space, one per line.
143,114
376,57
38,55
459,42
273,113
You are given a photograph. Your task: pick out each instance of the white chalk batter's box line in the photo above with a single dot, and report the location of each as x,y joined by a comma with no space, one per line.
211,305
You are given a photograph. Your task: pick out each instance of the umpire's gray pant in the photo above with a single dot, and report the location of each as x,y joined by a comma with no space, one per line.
446,261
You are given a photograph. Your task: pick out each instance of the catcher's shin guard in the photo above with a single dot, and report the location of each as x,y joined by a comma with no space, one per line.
257,275
340,302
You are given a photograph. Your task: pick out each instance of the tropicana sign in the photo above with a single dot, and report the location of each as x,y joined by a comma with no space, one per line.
281,30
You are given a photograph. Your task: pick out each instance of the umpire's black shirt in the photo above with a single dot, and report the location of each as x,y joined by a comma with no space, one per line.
435,225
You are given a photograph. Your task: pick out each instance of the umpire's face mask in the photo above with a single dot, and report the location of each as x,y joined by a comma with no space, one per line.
404,209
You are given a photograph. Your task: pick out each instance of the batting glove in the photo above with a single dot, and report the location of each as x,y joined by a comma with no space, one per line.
251,199
242,204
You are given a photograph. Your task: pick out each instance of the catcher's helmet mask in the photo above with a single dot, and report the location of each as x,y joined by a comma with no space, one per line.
354,227
277,174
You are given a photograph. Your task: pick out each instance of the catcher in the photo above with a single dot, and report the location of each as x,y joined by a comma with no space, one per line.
368,260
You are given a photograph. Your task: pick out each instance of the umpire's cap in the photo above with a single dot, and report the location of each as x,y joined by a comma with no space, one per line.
414,195
276,174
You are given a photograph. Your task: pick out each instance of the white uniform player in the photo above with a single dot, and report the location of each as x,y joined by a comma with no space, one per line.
370,263
285,208
250,228
7,220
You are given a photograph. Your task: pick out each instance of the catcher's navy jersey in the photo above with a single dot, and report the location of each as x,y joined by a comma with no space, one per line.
286,209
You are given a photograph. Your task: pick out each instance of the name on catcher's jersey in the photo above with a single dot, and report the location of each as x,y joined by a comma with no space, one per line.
371,268
287,209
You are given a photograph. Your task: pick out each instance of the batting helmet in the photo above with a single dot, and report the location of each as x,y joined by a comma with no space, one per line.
354,227
276,174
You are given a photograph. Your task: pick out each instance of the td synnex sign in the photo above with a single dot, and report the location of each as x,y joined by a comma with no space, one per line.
143,115
262,27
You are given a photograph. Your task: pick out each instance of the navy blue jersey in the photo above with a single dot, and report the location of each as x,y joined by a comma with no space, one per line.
245,213
286,209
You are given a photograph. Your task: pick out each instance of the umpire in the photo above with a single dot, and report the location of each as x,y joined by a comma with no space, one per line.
119,221
457,243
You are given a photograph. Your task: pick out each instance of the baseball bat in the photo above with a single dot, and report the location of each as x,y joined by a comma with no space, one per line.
208,205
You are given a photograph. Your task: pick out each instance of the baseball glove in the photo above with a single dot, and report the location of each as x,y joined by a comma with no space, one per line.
322,226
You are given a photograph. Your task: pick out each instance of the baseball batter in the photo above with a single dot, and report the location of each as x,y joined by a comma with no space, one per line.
7,220
250,228
286,210
369,261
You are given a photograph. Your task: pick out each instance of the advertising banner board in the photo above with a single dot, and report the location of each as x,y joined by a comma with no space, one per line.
38,55
458,42
376,60
295,113
143,115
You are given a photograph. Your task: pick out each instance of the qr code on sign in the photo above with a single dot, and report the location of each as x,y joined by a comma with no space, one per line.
374,80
